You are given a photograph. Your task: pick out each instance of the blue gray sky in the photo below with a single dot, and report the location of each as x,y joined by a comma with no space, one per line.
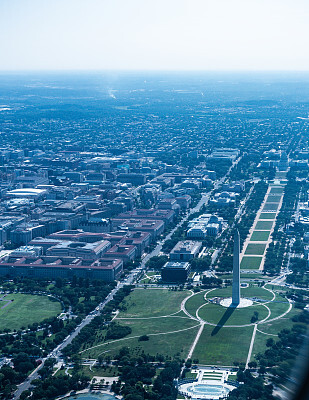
154,34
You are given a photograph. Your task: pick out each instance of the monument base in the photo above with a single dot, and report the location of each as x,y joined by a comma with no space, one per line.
242,304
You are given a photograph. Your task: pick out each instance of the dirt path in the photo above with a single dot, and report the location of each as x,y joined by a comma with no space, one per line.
5,305
251,345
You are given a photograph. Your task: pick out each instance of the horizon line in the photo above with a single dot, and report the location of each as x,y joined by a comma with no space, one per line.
120,70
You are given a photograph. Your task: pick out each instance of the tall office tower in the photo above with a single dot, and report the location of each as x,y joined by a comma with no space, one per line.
236,271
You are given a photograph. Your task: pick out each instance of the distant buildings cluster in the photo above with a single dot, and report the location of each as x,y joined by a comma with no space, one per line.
205,225
86,213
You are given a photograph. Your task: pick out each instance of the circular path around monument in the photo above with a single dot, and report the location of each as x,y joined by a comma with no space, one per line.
214,309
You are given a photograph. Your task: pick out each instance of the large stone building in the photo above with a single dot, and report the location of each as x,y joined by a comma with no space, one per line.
185,250
62,267
85,251
205,225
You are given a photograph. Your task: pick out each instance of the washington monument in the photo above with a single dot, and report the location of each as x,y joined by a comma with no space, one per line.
236,271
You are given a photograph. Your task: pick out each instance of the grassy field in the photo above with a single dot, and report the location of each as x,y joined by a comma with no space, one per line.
253,276
259,345
100,371
270,207
255,248
157,325
272,198
278,306
173,344
19,310
264,225
250,262
153,302
194,302
173,335
216,314
251,291
191,375
273,327
143,315
268,215
224,347
270,330
276,190
281,175
259,236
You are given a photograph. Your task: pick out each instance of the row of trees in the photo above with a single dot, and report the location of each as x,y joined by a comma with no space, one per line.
53,386
274,256
299,277
225,262
137,377
87,335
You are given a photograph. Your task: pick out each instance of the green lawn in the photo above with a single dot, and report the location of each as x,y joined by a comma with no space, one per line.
277,288
273,198
278,306
250,262
255,249
270,206
281,175
273,327
194,302
222,292
172,345
152,302
232,377
211,377
156,325
100,371
251,291
224,346
142,305
276,190
259,345
263,225
259,236
268,215
216,314
252,276
191,375
26,309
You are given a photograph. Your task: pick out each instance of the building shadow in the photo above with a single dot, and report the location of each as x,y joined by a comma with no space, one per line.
229,311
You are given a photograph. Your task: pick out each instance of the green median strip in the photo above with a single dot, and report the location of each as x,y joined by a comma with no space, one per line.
259,236
270,207
250,262
263,225
268,215
255,248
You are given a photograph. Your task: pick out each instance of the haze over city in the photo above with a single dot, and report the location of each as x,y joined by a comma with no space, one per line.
152,35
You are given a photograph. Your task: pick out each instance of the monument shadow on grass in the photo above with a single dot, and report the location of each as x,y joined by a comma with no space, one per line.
229,311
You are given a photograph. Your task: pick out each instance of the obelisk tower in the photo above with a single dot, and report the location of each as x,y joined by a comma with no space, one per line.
236,271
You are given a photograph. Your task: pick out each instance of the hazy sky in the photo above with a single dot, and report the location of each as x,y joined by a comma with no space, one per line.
154,34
